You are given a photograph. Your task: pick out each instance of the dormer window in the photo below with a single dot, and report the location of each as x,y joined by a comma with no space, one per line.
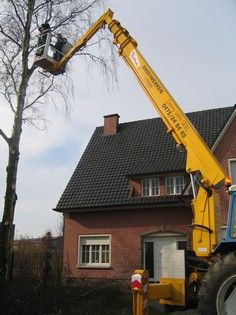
150,187
174,185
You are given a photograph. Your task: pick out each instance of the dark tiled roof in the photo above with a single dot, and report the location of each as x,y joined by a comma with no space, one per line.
101,178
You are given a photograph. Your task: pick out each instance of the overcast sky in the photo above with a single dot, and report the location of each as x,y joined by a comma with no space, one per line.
191,45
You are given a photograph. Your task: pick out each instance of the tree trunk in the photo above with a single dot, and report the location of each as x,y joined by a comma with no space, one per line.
7,228
6,231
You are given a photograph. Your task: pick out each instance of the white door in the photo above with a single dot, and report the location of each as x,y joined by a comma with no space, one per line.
154,246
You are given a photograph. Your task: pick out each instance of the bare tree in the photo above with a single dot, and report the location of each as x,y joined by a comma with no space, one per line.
24,88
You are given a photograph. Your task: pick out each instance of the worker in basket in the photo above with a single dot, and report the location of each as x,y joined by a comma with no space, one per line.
61,41
44,29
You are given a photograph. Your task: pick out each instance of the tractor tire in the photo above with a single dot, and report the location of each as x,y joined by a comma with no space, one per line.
217,295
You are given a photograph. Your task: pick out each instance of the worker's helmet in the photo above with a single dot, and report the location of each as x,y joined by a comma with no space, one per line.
46,25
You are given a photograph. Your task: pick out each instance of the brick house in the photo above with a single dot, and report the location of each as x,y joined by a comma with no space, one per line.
123,203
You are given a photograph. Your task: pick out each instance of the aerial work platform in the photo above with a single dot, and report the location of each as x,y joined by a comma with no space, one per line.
48,55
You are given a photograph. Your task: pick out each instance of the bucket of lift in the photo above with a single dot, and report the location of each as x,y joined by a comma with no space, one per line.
42,56
46,56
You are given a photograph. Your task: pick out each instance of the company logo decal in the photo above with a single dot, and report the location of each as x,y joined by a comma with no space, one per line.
134,58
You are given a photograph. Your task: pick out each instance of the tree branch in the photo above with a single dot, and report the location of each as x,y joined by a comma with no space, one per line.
73,14
4,136
9,37
41,95
17,13
7,95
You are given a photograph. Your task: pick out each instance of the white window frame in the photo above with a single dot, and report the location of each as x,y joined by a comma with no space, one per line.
174,185
230,168
98,240
149,188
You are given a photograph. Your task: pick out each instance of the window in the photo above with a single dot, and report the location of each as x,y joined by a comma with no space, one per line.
150,187
174,185
232,170
94,251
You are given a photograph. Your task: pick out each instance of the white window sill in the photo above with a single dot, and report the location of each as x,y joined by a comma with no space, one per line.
94,266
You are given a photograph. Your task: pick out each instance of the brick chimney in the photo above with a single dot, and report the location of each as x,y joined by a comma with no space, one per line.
111,124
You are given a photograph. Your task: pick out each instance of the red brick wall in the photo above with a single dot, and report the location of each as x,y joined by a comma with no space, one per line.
126,229
111,124
225,150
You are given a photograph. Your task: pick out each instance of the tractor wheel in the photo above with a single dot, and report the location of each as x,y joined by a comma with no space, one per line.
217,295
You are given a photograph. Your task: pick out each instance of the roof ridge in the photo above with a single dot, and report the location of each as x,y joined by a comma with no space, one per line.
187,113
211,109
